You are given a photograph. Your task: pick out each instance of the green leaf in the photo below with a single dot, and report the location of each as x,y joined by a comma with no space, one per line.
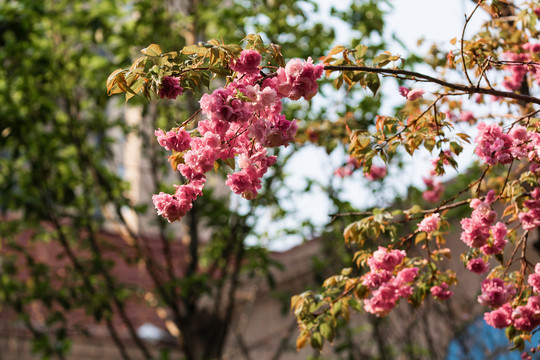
194,49
152,50
373,82
336,50
381,60
414,210
327,331
317,341
455,148
361,50
429,144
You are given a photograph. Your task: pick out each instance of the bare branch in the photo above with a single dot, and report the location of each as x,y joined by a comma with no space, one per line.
412,75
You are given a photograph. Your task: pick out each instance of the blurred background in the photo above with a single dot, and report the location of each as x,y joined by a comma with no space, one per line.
88,270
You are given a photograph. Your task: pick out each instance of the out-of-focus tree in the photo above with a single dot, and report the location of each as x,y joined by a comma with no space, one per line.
59,188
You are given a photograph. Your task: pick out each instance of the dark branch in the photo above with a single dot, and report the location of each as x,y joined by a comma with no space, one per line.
418,76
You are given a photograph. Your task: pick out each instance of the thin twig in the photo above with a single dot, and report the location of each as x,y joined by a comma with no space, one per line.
507,177
521,241
412,123
467,19
190,118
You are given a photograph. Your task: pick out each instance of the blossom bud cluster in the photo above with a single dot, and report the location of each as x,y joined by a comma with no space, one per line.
243,120
386,284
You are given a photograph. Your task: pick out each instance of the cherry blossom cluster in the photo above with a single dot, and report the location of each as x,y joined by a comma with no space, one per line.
243,120
347,170
480,228
531,219
497,147
477,266
480,231
376,173
497,295
386,284
519,71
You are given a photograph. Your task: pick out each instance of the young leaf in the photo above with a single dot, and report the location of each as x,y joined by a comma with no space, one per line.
152,50
373,82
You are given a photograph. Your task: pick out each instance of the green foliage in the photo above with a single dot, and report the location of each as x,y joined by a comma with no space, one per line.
57,142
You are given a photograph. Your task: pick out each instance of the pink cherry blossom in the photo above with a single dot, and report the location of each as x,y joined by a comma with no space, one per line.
495,293
274,132
531,219
517,71
415,94
476,229
499,318
383,300
441,292
429,223
170,207
434,190
498,232
170,88
531,47
406,275
477,266
298,79
173,140
403,91
374,280
343,172
466,116
534,279
382,259
493,145
247,63
376,172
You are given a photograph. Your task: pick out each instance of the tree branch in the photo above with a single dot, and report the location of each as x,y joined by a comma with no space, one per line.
415,75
